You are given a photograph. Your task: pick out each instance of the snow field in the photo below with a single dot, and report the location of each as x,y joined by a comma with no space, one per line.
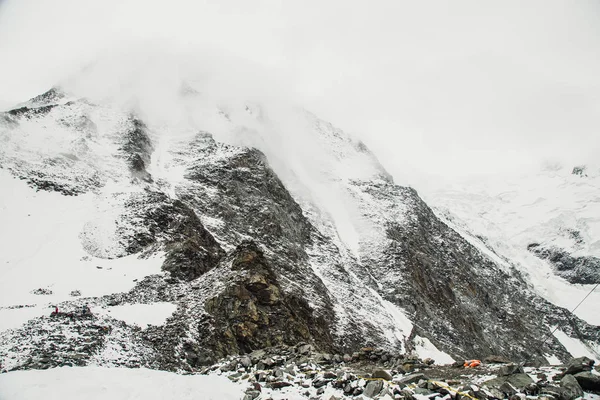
97,383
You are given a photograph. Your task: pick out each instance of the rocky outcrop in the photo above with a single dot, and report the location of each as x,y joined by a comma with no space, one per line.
459,298
191,249
582,270
238,196
137,147
253,311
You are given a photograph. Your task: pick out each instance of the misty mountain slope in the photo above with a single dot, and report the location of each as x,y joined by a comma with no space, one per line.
249,226
546,224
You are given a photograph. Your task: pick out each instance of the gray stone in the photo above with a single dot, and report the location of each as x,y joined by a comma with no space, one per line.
373,388
268,362
319,382
279,384
546,397
519,381
408,379
324,358
496,360
495,393
258,355
579,364
234,377
422,391
570,384
251,394
329,375
290,370
246,361
407,368
261,377
556,392
510,369
382,374
305,349
588,381
507,389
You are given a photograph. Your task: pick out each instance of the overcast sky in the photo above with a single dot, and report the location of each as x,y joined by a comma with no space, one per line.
437,89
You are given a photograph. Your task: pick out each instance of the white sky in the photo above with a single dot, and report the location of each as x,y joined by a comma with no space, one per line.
438,89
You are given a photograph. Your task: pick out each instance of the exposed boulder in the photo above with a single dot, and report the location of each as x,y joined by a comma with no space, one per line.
382,374
517,381
510,369
373,388
579,364
571,385
495,359
588,381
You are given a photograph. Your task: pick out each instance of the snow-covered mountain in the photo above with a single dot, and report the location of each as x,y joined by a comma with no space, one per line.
545,223
236,225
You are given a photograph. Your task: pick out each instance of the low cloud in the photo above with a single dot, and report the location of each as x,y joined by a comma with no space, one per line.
439,90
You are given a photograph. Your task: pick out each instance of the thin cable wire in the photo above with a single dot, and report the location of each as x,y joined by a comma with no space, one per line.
572,311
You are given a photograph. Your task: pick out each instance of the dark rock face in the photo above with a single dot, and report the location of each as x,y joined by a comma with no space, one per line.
248,196
236,187
253,311
52,96
458,297
30,112
137,148
583,270
191,249
39,105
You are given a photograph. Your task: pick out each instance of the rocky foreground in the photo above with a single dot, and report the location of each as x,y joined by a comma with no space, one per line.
289,372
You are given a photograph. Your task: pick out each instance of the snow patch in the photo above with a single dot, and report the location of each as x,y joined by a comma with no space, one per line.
425,349
42,249
401,325
93,383
576,347
552,359
14,318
